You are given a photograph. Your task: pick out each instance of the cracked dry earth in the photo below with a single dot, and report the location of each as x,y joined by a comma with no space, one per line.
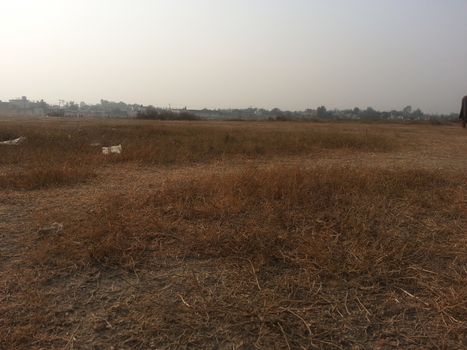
96,307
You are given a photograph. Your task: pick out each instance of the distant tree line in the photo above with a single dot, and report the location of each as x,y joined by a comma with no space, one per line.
23,106
368,114
153,113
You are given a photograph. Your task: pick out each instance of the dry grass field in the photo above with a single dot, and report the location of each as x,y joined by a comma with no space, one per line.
232,235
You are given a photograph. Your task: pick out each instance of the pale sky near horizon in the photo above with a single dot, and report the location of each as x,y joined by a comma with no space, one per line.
290,54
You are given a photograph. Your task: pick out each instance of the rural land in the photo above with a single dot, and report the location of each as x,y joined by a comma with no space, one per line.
232,234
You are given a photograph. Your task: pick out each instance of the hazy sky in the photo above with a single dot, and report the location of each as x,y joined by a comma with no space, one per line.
291,54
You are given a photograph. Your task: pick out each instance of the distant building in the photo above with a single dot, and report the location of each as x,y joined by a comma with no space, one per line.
23,107
21,103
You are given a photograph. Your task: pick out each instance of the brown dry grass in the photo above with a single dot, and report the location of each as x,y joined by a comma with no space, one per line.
56,154
264,205
44,175
236,255
48,158
321,257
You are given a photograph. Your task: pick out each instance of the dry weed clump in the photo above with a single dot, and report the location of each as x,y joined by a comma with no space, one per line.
306,258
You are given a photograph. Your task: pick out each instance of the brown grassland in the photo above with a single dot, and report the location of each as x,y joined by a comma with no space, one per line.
232,235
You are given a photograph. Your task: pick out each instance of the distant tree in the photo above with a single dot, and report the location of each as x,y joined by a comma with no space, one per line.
370,113
149,112
417,114
407,111
322,112
276,112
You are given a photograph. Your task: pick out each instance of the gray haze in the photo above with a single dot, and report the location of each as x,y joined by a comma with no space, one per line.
293,54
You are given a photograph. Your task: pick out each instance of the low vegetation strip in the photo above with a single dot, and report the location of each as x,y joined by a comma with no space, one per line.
151,143
60,155
46,175
306,258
